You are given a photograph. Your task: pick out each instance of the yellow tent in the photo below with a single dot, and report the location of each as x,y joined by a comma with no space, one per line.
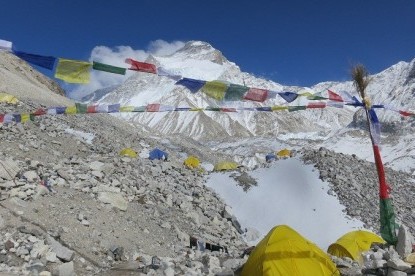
192,162
283,252
128,152
225,166
7,98
353,243
284,153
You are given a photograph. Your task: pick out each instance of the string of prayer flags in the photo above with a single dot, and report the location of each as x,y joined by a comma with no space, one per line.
73,71
141,66
42,61
108,68
5,45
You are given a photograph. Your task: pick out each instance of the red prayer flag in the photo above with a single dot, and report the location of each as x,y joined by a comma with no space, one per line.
335,97
256,94
228,109
91,109
39,112
405,113
153,108
316,105
141,66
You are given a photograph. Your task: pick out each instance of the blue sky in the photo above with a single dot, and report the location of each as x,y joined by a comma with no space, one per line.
290,42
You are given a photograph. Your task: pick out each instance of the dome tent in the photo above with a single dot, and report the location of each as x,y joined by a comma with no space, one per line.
192,162
270,157
226,166
157,154
283,252
353,243
128,152
284,153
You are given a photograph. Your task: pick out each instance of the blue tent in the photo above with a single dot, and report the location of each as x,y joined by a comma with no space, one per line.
157,154
270,157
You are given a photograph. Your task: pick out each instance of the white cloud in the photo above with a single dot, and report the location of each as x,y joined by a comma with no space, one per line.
116,57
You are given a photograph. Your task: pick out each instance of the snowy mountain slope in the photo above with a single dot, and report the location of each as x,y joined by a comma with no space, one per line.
335,128
199,60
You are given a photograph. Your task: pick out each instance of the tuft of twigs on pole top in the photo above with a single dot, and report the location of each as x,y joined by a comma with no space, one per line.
361,79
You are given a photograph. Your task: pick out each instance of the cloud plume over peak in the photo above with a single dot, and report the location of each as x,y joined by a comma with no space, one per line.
116,57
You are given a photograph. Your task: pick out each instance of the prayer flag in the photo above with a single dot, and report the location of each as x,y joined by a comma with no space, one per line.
25,117
335,104
256,94
405,113
5,45
1,118
101,108
288,96
375,126
71,110
316,105
42,61
92,109
296,108
39,111
108,68
191,84
8,118
126,108
235,92
153,107
182,109
113,108
316,97
215,89
73,71
166,73
141,66
272,95
279,108
81,108
228,109
139,109
334,97
166,108
17,118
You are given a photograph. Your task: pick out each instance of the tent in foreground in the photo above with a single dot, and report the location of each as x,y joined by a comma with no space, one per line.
353,243
283,251
157,154
192,162
226,166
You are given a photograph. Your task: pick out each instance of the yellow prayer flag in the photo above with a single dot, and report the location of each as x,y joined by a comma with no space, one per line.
278,108
70,110
73,71
196,109
126,108
215,89
24,117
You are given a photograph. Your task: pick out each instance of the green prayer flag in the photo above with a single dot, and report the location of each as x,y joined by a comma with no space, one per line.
108,68
235,92
388,226
81,108
296,108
